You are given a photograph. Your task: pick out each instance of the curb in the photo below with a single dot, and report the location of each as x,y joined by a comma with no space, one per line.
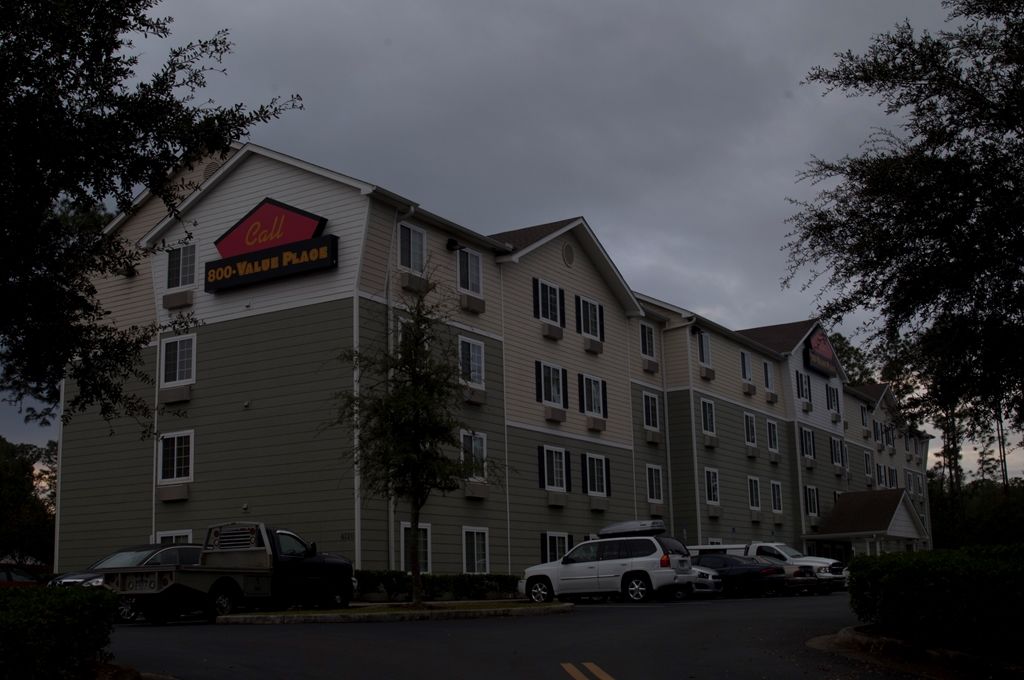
415,615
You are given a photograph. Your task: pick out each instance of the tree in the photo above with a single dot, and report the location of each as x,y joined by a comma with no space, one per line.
924,228
406,415
854,360
26,532
81,130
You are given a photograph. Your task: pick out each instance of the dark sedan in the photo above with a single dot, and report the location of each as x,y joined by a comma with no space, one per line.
16,577
744,575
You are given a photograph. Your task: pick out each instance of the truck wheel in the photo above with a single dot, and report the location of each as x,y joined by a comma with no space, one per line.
636,587
538,589
337,597
223,600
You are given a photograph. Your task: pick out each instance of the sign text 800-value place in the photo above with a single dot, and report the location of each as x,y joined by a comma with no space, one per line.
294,258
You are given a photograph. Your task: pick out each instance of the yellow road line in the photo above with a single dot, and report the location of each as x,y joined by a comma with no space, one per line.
574,673
596,670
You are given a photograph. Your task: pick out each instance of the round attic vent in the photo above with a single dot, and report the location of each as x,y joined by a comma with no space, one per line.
568,254
210,168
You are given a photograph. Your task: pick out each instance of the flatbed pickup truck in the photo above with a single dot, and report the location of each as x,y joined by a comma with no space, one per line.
242,564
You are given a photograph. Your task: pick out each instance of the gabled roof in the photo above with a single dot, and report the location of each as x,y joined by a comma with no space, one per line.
872,392
782,338
529,239
870,513
688,317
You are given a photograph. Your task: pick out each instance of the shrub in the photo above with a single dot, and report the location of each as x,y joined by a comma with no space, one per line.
54,632
396,585
961,599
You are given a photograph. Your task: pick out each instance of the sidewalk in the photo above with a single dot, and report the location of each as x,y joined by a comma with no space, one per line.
375,611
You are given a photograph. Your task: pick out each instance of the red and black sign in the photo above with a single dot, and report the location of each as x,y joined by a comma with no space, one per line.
818,354
272,241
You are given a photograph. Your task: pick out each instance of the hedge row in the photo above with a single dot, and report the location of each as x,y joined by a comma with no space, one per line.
958,599
54,632
397,586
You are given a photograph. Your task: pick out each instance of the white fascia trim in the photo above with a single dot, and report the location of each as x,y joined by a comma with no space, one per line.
519,254
551,432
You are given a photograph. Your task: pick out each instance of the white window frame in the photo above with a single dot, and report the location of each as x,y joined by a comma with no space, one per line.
650,403
596,306
863,415
557,318
473,344
704,348
807,443
880,475
411,266
425,527
469,254
191,435
835,447
188,380
714,541
593,390
868,462
600,464
754,492
185,534
654,474
707,406
466,531
556,373
190,250
772,432
556,535
647,338
474,437
776,487
712,492
832,398
746,367
894,480
812,509
750,429
769,376
557,453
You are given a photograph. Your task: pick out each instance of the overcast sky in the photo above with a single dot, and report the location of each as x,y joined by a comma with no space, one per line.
675,128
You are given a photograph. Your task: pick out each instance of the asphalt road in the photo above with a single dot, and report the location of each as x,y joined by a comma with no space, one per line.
750,638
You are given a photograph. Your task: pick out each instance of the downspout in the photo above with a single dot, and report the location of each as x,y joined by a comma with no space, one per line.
156,444
504,407
693,435
668,437
632,419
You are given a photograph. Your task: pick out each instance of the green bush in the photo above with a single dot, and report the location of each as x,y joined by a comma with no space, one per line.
54,632
397,585
960,599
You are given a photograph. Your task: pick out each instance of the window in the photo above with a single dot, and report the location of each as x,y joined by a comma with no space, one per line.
769,376
654,490
589,318
880,474
893,481
750,429
754,492
745,372
835,446
471,361
424,547
867,463
470,272
807,443
707,412
650,411
889,438
811,500
863,415
803,386
176,457
647,340
773,436
593,399
179,536
474,453
906,441
711,485
548,302
832,398
551,385
179,361
596,470
776,496
181,266
919,484
704,348
555,474
413,248
556,544
474,550
877,430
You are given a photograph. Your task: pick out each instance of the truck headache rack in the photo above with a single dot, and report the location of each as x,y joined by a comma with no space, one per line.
234,537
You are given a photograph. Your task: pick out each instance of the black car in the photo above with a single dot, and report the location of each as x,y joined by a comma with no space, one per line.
744,575
136,556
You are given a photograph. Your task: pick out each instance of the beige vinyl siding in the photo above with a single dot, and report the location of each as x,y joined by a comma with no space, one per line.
525,344
261,410
256,178
377,248
680,442
106,486
725,360
677,357
654,454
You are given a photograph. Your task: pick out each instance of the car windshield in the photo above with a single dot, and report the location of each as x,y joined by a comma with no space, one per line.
124,558
789,552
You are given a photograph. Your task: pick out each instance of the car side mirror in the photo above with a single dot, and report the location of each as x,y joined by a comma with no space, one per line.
311,550
567,560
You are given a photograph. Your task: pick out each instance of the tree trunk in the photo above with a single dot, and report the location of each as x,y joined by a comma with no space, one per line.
414,551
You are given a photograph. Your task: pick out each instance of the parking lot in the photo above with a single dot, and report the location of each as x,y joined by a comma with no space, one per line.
735,638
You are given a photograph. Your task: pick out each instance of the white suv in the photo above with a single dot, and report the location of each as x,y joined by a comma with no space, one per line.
628,558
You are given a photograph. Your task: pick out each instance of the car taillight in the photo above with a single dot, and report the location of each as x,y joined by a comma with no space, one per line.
770,570
666,561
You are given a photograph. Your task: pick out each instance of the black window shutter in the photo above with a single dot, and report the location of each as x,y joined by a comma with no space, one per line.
582,401
540,381
583,470
607,477
536,299
541,470
544,547
569,543
600,321
561,305
565,388
568,472
579,316
604,398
